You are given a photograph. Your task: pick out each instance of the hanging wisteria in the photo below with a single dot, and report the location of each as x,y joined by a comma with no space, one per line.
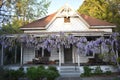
111,44
55,41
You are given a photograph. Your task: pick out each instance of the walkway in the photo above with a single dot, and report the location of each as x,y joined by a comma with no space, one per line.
69,78
89,78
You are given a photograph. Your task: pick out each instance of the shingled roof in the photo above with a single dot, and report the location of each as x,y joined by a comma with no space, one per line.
41,23
95,22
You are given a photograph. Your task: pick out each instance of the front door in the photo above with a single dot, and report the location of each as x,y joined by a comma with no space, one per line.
68,55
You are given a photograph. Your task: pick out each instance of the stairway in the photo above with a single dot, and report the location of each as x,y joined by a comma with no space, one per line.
69,71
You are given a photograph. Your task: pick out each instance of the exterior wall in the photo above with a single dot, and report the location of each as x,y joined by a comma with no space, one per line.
54,55
28,54
83,58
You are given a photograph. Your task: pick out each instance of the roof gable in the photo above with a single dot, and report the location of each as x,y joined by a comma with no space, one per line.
66,11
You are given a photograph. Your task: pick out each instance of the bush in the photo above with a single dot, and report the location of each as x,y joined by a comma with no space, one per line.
3,74
51,75
41,67
87,71
32,73
40,72
11,74
98,70
52,68
108,72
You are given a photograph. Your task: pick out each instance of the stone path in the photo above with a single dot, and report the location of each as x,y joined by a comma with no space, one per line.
69,78
101,78
89,78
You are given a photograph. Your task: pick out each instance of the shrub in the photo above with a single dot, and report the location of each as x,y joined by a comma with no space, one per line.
87,71
52,68
11,74
40,72
3,75
51,75
108,72
32,73
41,67
98,70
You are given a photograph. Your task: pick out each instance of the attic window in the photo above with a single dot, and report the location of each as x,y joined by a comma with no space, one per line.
67,19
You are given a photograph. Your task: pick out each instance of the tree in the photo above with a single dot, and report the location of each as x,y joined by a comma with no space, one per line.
5,11
16,13
13,27
102,9
31,9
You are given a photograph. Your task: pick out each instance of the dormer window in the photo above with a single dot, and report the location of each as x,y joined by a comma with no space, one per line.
66,19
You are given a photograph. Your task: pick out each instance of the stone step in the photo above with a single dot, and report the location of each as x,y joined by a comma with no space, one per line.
70,71
70,74
68,78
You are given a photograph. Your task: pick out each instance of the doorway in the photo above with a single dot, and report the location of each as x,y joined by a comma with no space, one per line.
68,55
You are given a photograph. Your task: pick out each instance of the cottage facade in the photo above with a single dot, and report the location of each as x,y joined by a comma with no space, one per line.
69,21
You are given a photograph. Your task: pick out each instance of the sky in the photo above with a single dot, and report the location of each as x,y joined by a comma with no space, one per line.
57,4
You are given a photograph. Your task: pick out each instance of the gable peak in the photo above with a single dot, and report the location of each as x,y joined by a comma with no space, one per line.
66,11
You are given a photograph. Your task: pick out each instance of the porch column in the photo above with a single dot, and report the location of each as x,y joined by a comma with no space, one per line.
78,59
15,54
42,52
21,59
59,56
73,60
2,53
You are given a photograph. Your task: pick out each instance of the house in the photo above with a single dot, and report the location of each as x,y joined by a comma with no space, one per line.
66,20
69,21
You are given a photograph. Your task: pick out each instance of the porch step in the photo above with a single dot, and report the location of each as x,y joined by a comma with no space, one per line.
69,71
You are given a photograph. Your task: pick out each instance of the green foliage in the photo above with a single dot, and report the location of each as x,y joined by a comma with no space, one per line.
102,9
6,74
98,70
32,73
12,28
41,67
40,73
52,68
51,75
15,13
87,71
117,78
108,72
31,9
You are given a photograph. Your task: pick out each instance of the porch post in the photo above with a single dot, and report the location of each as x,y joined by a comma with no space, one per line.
2,53
21,59
78,59
42,52
15,54
60,56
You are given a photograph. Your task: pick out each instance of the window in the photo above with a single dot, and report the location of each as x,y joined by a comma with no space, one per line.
46,53
38,53
66,19
90,53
